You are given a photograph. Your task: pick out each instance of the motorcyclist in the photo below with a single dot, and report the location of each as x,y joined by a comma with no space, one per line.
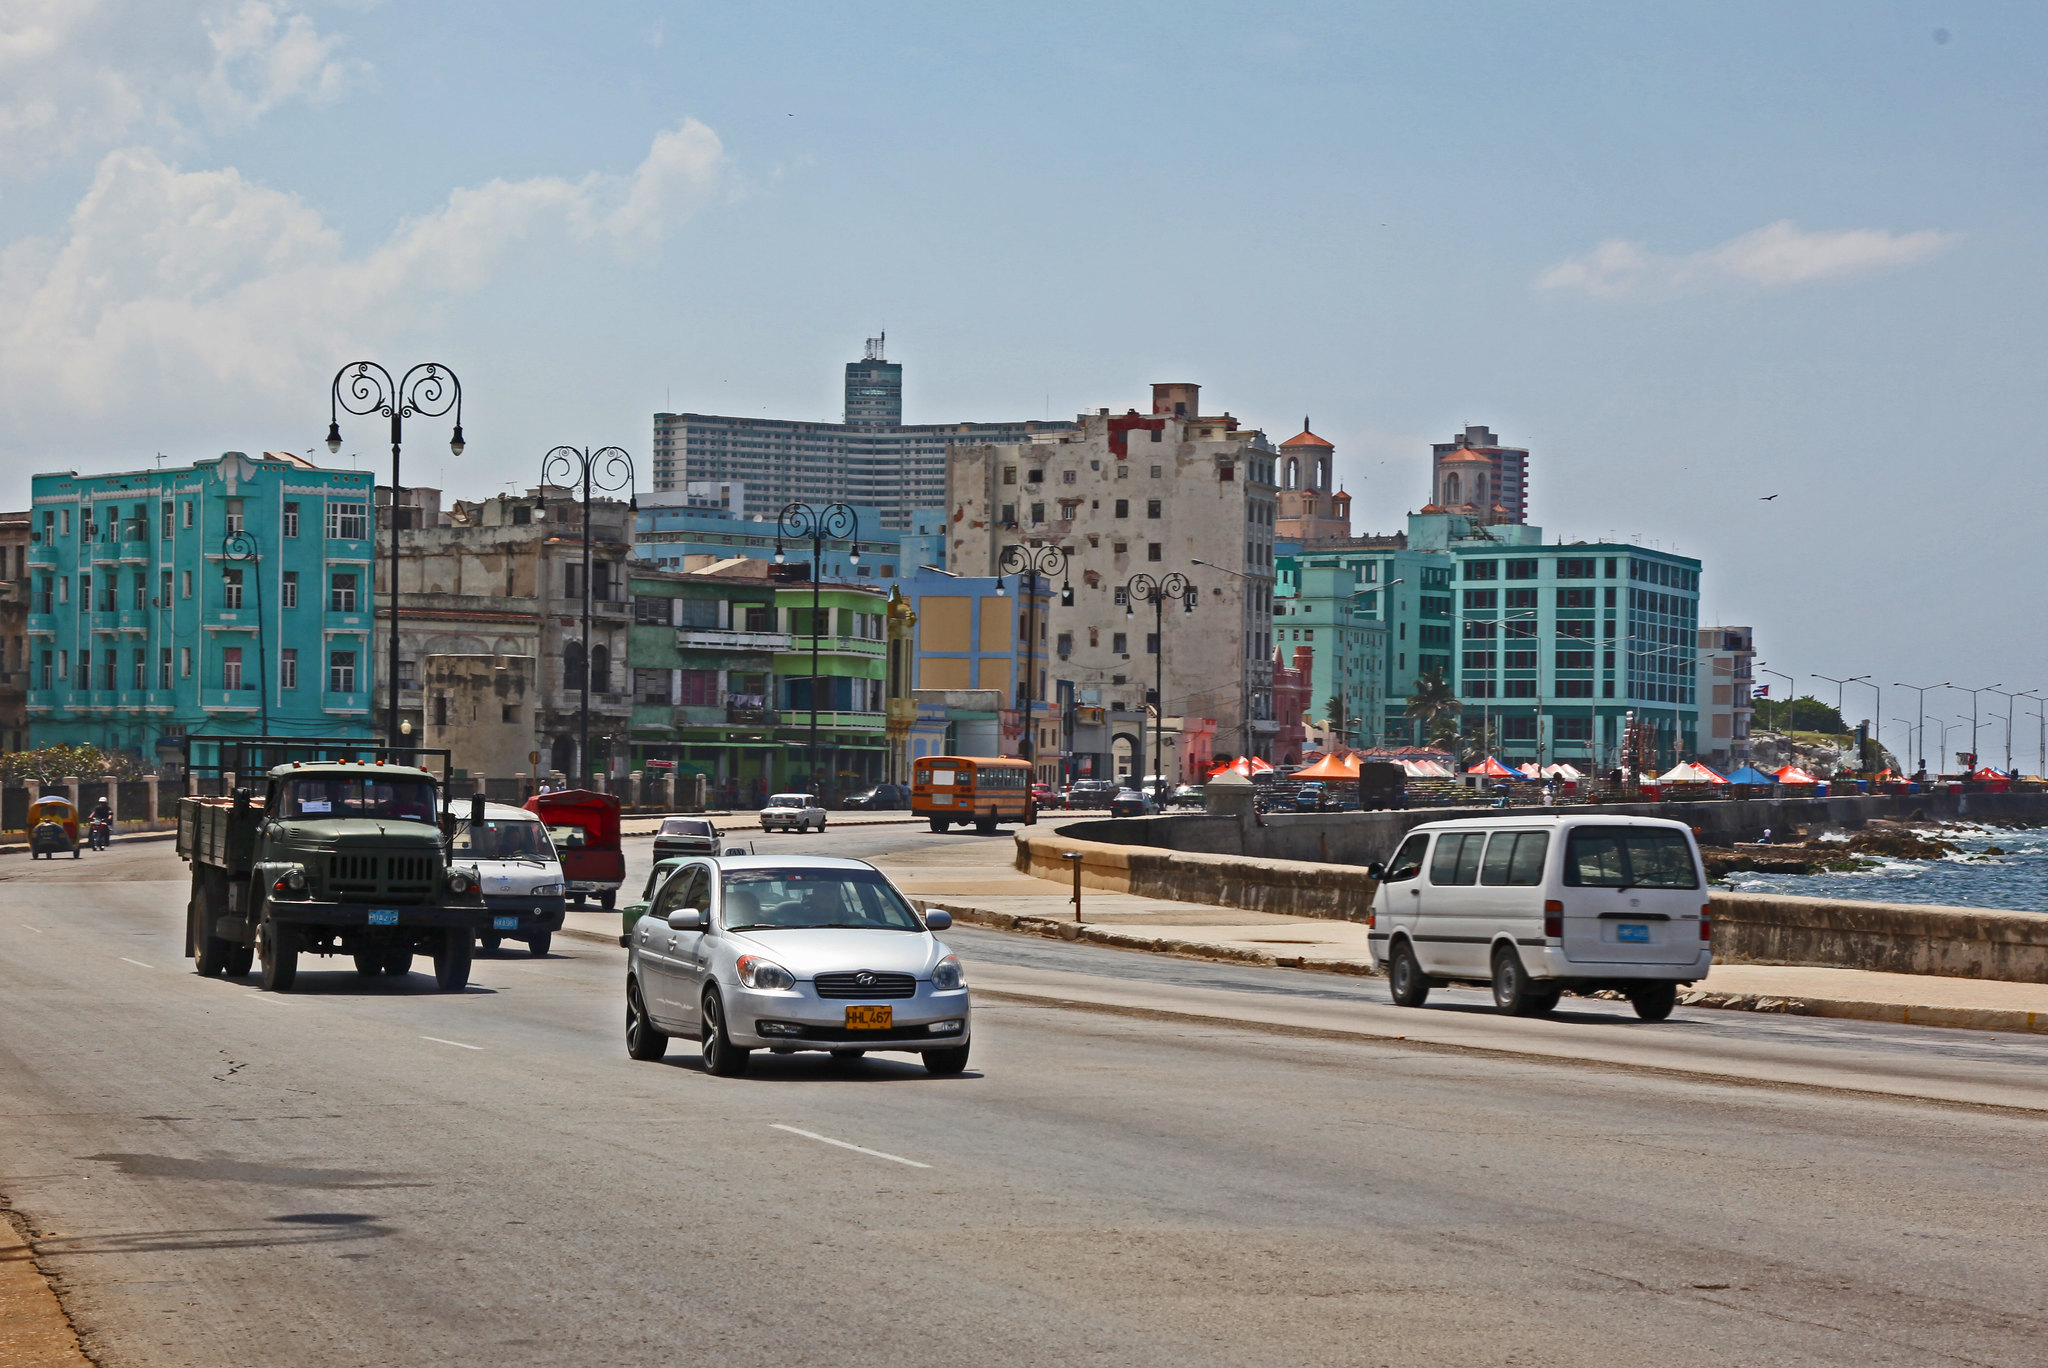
102,820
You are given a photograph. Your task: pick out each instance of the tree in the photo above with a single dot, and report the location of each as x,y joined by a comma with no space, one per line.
1340,720
1433,705
1805,713
52,764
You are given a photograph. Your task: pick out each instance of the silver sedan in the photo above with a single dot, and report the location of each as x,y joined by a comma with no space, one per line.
804,953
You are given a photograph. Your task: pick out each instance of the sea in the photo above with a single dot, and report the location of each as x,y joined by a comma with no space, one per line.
2015,879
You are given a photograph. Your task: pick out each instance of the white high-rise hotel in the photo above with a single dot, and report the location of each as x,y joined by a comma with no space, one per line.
872,459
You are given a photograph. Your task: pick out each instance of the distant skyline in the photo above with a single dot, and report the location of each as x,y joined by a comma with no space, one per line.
1689,257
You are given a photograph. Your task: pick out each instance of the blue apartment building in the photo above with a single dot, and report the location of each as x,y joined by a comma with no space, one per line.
226,597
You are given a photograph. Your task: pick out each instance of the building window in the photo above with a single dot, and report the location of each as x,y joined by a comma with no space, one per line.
184,662
1068,477
1152,508
1518,628
1009,475
440,710
1154,551
1517,728
1519,688
234,517
1573,729
341,598
572,665
1481,598
1123,508
1574,568
185,513
141,595
1574,660
1038,513
1479,688
288,590
141,676
64,667
1009,515
1579,628
231,667
1064,644
231,588
1479,631
163,669
1521,598
1034,477
347,521
169,524
64,522
1119,643
291,520
1576,598
1482,570
288,668
1226,471
1157,471
341,672
1579,688
1478,660
110,592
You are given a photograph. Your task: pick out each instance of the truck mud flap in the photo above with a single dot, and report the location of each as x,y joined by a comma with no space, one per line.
235,929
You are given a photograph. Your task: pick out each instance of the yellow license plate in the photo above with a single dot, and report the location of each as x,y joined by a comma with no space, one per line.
870,1018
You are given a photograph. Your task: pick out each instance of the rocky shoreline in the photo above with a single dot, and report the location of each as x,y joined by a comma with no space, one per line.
1805,853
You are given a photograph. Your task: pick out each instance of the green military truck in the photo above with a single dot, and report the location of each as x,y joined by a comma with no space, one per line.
345,852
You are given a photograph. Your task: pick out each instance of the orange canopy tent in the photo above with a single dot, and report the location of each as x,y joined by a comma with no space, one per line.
1792,774
1247,765
1329,767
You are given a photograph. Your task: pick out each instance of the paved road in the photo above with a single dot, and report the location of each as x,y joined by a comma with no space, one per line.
382,1174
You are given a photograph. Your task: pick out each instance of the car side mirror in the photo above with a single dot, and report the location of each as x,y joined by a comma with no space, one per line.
476,809
935,920
1375,871
688,919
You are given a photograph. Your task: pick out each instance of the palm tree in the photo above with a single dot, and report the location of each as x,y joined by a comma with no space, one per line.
1339,725
1436,708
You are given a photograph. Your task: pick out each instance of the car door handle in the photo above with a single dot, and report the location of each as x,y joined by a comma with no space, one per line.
1414,892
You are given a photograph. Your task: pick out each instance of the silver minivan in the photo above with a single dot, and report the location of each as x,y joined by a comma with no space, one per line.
1538,906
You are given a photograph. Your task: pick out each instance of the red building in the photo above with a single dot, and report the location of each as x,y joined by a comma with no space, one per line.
1293,687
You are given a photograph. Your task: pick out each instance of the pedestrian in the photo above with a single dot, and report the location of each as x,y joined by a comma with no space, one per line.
1766,839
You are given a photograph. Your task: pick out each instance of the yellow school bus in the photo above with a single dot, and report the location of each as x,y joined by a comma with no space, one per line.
982,789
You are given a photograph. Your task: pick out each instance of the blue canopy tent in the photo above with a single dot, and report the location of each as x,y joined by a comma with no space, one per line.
1750,774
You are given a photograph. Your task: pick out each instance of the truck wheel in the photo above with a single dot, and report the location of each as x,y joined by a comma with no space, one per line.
207,961
398,961
240,957
643,1042
608,898
537,945
369,963
451,960
280,945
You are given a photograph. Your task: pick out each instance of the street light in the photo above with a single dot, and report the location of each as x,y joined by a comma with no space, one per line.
1789,686
428,390
605,470
1921,690
1988,688
1028,562
1157,592
2009,697
1838,683
797,522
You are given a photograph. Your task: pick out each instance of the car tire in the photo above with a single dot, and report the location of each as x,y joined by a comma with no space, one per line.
940,825
279,942
945,1063
643,1041
488,944
1406,983
1514,992
721,1056
397,961
452,960
821,824
538,943
1653,1001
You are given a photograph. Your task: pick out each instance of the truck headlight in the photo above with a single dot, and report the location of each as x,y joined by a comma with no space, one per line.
290,884
947,974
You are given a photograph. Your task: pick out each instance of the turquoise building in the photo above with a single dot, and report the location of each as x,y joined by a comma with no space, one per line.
1324,607
225,597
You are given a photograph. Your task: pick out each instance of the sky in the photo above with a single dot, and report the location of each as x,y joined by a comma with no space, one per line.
1689,255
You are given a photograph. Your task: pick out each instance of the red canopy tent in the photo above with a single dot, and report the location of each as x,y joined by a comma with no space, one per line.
1792,774
1247,765
1494,769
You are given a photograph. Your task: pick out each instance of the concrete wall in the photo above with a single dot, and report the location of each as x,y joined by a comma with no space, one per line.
1357,838
479,690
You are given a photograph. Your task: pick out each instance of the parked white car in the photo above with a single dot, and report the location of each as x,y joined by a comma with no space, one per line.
1539,906
806,953
521,875
792,812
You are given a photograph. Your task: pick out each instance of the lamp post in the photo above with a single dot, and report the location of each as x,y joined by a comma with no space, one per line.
2008,697
1912,739
1028,562
796,522
603,471
240,548
1870,684
1921,690
1988,688
427,390
1789,686
1156,592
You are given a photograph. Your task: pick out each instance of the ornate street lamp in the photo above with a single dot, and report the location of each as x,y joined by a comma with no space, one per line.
605,471
798,522
1156,593
1028,563
428,390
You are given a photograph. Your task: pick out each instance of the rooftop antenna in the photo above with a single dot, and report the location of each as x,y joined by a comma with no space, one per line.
875,347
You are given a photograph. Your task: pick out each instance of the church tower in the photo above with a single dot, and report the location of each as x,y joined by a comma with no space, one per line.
1309,509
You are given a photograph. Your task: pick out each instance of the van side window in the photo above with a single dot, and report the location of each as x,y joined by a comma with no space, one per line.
1457,858
1407,861
1514,859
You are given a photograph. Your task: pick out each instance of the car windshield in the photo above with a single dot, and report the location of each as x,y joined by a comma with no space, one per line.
793,899
1628,857
790,800
505,840
335,795
686,826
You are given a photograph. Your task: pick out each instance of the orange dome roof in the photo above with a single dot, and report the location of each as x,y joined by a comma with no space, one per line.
1307,439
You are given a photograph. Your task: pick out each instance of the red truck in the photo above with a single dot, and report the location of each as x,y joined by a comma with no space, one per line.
585,829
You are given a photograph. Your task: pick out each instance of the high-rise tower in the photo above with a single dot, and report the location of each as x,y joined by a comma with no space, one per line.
874,388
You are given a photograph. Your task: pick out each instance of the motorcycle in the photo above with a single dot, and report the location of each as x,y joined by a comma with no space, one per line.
101,832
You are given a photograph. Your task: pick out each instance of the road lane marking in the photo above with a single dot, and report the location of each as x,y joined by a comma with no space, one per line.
857,1149
37,929
456,1043
137,963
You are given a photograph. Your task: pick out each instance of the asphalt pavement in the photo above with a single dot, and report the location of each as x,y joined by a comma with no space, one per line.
379,1173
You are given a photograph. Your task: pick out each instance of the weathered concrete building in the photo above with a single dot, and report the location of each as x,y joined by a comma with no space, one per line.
480,709
1129,494
504,577
14,595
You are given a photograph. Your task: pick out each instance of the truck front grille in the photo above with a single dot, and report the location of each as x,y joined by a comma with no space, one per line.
369,876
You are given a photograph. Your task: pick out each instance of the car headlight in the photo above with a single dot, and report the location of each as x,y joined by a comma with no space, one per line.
756,972
947,974
553,890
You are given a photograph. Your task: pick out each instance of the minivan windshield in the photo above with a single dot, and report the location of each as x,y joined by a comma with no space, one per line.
1628,857
511,840
791,899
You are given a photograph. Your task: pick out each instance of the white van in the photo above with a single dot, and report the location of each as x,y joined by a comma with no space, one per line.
521,873
1537,906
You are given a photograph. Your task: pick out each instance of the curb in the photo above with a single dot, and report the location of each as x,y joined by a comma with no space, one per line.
1053,929
2008,1019
13,848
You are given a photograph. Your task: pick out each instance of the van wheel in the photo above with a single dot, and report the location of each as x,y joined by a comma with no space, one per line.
1654,1001
1406,983
1513,991
537,945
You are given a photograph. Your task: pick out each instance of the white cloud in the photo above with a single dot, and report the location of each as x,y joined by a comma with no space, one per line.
77,76
175,292
1779,254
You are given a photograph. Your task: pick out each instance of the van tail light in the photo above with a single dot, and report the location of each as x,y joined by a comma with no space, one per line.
1371,920
1706,921
1553,918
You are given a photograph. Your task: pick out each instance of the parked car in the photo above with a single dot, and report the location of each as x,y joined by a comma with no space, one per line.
755,952
792,812
881,798
1090,793
1045,796
1132,803
1538,906
1191,796
685,836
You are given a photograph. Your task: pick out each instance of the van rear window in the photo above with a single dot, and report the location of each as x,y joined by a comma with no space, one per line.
1628,857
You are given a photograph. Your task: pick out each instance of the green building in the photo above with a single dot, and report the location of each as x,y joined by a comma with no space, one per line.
1323,606
702,650
850,636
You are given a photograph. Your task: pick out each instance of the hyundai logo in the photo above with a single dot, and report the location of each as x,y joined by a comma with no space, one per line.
864,979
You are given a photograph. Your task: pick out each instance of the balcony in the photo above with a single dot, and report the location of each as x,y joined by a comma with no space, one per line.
799,720
749,710
712,638
838,645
